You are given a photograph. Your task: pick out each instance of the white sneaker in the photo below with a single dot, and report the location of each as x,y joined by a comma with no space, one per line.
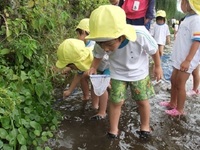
192,92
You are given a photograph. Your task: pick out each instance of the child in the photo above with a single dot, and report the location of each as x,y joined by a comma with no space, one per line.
185,56
195,75
82,31
160,31
72,53
129,63
98,103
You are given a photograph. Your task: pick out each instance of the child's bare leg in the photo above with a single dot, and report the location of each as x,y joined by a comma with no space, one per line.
85,88
103,99
95,99
173,100
181,93
196,79
161,49
144,110
115,111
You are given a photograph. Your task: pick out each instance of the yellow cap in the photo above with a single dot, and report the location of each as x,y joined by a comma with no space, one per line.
108,22
161,13
195,5
84,25
74,51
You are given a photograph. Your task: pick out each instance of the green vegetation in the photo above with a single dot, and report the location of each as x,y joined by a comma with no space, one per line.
170,7
30,32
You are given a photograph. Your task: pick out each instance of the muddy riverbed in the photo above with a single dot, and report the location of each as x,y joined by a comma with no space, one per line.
77,132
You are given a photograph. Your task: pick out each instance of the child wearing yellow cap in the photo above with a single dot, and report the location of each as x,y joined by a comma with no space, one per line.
82,31
98,102
128,48
185,56
160,31
74,54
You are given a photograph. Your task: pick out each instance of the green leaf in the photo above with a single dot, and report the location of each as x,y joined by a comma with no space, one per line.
2,111
37,74
3,133
34,142
21,139
44,138
25,123
12,141
1,144
5,122
28,101
39,89
38,148
37,132
23,147
27,110
23,131
50,134
53,128
47,148
14,77
23,76
14,132
36,125
7,147
4,51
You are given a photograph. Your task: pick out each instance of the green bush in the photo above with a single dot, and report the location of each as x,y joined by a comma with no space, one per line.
30,33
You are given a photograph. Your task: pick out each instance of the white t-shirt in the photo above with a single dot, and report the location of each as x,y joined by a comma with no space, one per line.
176,27
160,33
131,62
104,64
188,31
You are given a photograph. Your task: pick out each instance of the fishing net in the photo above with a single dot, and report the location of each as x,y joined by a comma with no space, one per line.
100,83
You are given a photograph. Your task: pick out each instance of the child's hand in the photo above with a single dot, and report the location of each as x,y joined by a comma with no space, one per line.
66,70
91,71
158,73
185,65
66,93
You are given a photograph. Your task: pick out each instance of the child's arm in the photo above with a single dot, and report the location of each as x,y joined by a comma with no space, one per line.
168,39
186,63
94,66
75,81
158,73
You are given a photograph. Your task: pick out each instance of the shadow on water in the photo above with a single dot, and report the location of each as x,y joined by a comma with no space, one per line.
77,132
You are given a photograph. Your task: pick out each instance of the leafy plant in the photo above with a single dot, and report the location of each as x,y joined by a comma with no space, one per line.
30,32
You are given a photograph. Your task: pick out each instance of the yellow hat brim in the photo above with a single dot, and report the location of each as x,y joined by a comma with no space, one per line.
108,22
195,5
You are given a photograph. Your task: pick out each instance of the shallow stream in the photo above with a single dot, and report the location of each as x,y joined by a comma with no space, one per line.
77,132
